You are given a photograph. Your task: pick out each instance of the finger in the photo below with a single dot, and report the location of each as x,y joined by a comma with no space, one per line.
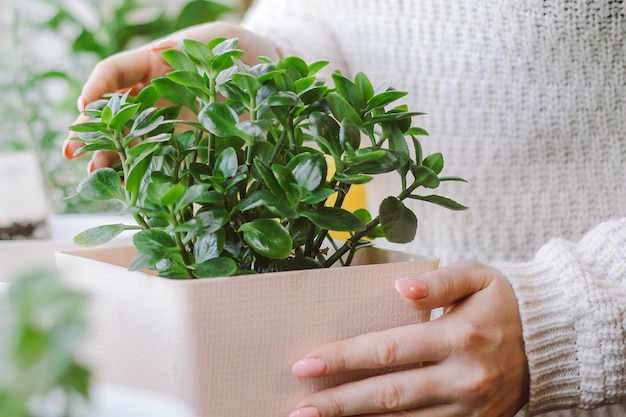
419,390
445,286
249,42
71,145
424,342
102,159
122,71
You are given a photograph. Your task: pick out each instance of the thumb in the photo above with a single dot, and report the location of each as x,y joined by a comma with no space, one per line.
445,286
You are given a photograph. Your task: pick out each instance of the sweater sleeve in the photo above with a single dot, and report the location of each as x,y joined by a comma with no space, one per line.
297,27
572,301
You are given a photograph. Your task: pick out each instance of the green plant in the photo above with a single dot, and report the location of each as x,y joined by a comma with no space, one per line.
41,323
246,184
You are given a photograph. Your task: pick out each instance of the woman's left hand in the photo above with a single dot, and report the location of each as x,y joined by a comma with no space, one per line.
472,357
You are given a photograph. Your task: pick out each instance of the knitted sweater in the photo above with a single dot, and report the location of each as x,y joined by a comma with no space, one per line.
526,99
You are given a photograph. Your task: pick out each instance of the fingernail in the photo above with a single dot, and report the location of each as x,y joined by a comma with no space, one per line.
80,104
412,288
305,412
162,45
90,167
67,153
307,368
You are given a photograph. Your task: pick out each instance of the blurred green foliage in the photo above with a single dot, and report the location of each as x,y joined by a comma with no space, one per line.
41,323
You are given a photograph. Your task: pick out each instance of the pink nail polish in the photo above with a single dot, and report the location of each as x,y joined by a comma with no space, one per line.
412,288
307,368
80,103
305,412
162,45
90,167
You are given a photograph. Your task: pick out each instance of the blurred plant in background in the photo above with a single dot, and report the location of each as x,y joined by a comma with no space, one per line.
50,46
41,323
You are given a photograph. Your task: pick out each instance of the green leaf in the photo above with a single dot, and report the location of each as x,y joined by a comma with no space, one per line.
313,94
147,147
434,162
334,218
209,246
147,98
270,180
297,263
268,238
198,52
175,93
137,173
426,177
318,196
143,125
188,79
257,199
417,131
100,234
211,197
366,217
348,90
282,98
352,178
397,142
89,127
324,126
145,260
309,170
296,67
341,109
153,239
123,116
226,164
441,201
178,60
191,195
315,67
218,267
398,223
164,193
220,120
102,184
364,86
384,98
349,134
213,220
386,162
246,82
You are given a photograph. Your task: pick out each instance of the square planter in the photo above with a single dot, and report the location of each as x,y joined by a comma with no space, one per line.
225,346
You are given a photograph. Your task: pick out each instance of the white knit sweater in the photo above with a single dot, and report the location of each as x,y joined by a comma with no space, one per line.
526,99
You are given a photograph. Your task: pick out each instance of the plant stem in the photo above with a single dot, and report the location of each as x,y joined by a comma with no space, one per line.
352,243
131,197
180,245
341,196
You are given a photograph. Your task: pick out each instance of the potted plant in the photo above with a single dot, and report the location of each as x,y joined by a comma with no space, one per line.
251,179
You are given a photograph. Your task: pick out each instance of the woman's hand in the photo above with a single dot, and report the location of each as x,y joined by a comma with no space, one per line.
473,359
136,68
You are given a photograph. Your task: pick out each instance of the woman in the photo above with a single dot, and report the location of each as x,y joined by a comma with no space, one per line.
526,99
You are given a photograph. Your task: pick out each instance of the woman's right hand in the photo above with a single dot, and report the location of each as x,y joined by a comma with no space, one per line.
135,69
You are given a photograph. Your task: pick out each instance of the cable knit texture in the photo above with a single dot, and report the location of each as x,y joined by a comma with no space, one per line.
526,99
